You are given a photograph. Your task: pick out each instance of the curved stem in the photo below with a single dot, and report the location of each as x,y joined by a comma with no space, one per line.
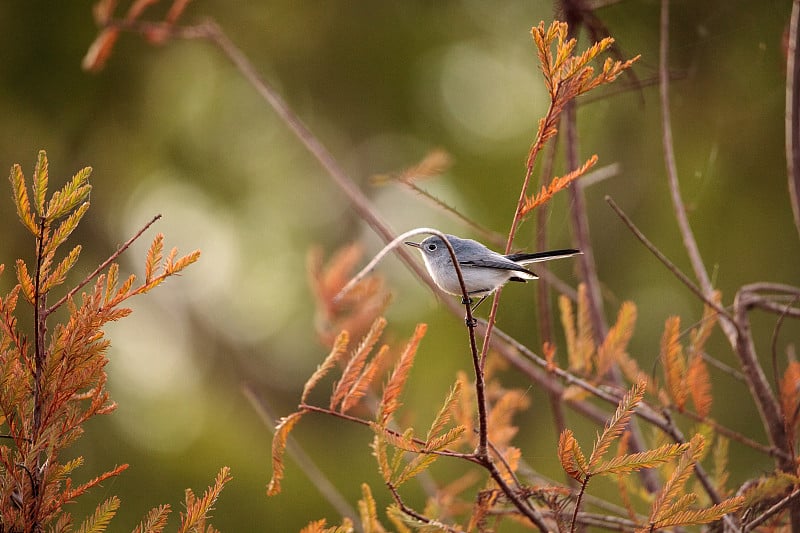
792,124
689,242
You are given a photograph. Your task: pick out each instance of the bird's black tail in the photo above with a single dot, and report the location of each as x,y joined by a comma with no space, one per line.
524,259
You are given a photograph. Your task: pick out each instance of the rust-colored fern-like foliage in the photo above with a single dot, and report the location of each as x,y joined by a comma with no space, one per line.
674,506
359,372
53,377
566,77
357,309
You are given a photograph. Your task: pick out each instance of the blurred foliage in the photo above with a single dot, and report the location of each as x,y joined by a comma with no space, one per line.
175,130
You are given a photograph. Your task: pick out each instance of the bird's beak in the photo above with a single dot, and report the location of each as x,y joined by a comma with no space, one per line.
410,243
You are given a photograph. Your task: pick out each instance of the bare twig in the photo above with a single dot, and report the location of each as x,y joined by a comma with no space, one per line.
772,451
100,268
545,314
519,502
722,367
772,511
40,360
793,112
689,242
666,262
491,236
397,434
414,514
774,344
767,404
578,501
306,464
580,229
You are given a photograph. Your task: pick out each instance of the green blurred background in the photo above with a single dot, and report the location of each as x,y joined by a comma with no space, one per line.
176,130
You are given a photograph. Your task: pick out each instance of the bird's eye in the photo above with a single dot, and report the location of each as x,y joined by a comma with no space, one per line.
431,247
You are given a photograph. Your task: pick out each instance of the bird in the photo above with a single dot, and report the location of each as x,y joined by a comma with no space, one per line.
484,270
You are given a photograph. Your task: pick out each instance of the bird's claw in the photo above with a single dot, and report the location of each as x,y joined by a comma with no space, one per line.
470,322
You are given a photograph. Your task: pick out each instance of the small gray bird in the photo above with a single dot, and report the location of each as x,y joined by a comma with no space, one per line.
483,270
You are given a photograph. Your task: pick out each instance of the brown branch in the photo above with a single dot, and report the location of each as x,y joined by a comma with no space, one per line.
689,242
350,418
757,382
580,228
792,123
306,464
581,235
772,451
490,236
100,268
361,204
520,503
40,357
772,511
745,299
578,500
683,278
414,514
545,314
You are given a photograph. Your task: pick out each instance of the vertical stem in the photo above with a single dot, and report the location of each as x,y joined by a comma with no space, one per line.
545,314
38,338
669,155
793,113
480,393
543,287
580,224
39,355
578,503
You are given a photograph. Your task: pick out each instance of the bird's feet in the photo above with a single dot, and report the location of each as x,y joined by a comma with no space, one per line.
470,322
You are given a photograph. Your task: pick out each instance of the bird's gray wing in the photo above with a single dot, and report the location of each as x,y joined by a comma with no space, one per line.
494,261
474,254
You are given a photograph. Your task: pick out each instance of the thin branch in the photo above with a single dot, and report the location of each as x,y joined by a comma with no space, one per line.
580,229
306,464
774,345
391,245
666,262
772,451
520,503
412,513
722,367
765,400
600,174
689,242
792,123
40,356
772,511
545,314
543,305
578,503
361,204
491,236
350,418
100,268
